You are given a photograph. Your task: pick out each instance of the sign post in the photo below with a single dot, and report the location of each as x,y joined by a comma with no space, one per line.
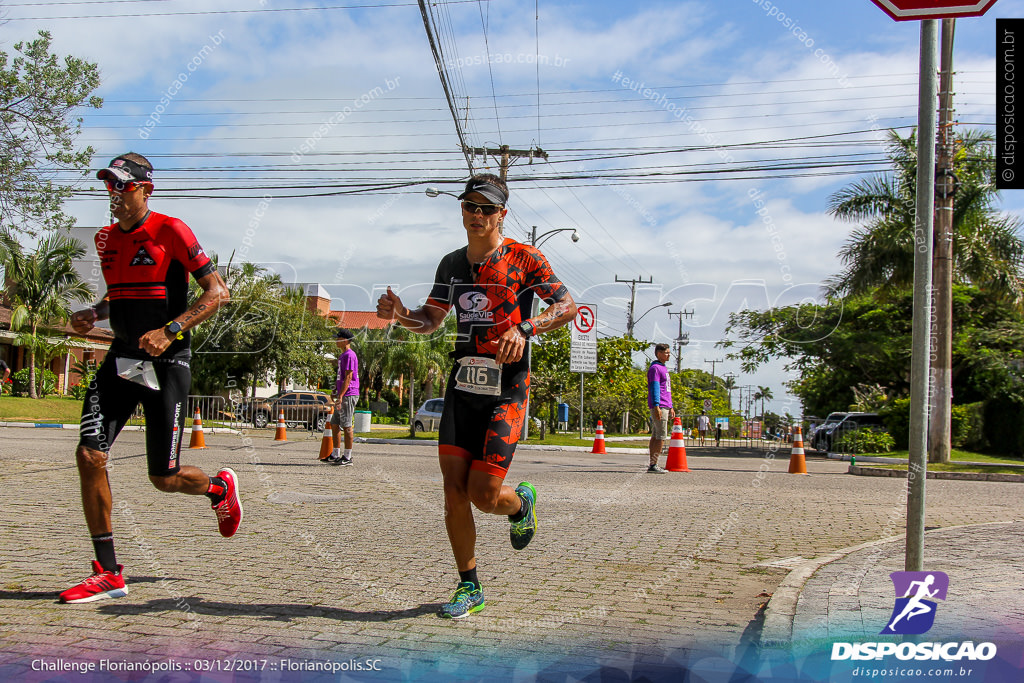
928,11
583,346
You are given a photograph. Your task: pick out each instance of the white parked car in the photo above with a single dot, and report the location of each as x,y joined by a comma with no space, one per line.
428,417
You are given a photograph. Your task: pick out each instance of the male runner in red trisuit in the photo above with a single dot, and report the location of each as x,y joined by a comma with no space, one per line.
490,283
146,259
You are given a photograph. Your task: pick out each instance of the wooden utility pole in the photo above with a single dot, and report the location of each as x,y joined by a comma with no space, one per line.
939,425
504,156
632,300
681,341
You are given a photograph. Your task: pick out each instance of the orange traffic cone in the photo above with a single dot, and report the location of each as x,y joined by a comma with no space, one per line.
327,442
197,440
797,462
282,432
677,449
598,438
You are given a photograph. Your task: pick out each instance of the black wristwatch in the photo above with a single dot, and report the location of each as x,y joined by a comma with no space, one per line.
527,328
174,327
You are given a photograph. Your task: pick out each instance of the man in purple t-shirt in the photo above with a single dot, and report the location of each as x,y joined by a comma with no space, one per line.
346,393
659,400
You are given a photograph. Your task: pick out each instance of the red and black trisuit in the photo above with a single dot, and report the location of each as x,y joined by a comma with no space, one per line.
146,271
488,299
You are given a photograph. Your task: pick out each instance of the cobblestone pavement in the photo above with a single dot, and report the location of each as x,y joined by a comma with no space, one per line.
351,563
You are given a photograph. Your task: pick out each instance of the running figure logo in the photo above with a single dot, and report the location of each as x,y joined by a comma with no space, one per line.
914,612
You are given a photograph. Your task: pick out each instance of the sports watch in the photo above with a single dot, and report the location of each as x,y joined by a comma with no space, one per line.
174,327
527,328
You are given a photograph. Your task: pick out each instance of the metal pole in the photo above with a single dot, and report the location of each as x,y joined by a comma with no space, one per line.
921,344
581,406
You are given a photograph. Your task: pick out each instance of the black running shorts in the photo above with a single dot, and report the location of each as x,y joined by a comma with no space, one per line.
111,400
484,429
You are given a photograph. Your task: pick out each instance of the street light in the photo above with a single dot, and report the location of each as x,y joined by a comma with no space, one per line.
630,323
433,192
537,240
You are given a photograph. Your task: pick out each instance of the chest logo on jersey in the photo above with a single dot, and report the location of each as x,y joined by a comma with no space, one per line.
142,258
475,306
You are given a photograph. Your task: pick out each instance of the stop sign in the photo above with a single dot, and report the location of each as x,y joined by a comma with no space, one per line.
907,10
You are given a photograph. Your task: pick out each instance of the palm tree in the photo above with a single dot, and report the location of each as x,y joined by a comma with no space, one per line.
763,394
987,251
42,285
418,355
729,383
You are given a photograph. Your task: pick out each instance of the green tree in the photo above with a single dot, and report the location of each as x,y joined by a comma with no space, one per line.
43,283
879,256
264,329
39,95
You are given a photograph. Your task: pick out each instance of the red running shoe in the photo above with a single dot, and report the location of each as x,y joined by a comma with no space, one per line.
102,584
229,510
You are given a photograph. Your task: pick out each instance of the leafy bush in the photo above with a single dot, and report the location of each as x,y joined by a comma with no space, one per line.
78,390
966,423
20,378
865,440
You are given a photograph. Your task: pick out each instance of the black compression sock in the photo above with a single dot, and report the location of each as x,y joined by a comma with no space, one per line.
103,544
218,489
518,517
470,575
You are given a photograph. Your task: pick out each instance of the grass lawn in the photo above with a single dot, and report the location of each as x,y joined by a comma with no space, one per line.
956,455
50,409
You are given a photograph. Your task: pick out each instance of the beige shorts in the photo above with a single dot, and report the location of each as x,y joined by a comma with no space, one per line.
659,428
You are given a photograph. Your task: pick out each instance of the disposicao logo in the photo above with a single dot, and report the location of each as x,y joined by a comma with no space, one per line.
914,612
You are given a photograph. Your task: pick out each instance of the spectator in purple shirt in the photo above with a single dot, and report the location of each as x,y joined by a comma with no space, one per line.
659,400
346,393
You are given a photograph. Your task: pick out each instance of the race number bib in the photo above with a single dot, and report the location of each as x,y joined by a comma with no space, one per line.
478,375
138,371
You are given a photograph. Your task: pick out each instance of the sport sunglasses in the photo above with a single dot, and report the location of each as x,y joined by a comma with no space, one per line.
121,186
485,209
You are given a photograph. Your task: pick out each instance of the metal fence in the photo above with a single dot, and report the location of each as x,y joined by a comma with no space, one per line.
220,414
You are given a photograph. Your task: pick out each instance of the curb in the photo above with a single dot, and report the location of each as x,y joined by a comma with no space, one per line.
778,619
962,476
519,447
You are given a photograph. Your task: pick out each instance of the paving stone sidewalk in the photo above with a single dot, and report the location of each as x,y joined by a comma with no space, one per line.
338,564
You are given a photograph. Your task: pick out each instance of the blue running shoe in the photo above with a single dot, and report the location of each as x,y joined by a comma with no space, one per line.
522,531
466,599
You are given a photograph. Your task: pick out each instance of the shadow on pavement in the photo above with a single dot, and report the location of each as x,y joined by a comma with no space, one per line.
271,612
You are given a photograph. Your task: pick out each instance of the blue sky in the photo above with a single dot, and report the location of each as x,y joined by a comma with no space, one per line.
725,74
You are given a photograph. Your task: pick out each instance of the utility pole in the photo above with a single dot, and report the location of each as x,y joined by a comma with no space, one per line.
681,341
939,437
713,364
504,155
632,300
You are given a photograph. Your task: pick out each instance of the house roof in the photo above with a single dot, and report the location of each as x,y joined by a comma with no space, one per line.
355,320
96,334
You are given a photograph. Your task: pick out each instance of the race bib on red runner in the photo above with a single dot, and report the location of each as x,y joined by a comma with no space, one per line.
478,375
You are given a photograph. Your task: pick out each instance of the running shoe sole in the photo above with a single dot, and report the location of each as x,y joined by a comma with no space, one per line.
115,593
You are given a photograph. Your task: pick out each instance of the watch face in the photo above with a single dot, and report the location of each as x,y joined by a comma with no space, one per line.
526,328
174,327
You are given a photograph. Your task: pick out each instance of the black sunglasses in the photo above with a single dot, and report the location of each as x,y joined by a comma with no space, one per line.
485,209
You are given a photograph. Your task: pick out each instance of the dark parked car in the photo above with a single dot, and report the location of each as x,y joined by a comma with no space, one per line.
832,431
308,408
